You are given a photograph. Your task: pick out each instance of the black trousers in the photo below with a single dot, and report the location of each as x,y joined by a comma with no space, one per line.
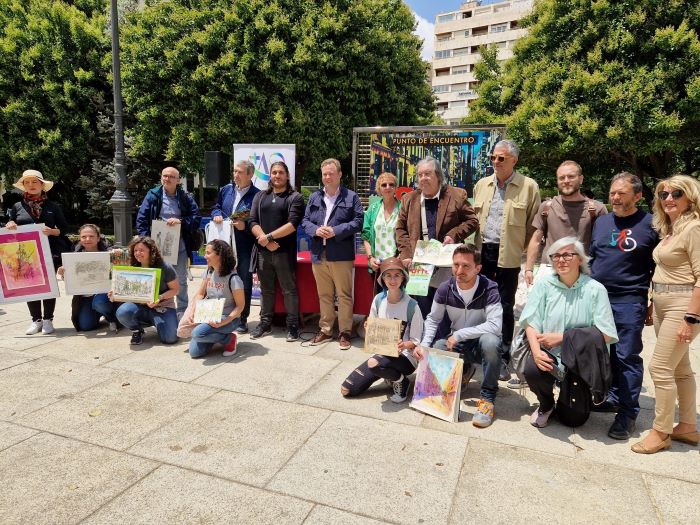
507,280
390,368
273,265
35,309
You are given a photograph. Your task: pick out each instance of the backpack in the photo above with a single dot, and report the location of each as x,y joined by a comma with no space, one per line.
575,401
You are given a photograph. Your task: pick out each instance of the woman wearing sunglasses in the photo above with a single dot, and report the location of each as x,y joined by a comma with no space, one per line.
379,227
676,301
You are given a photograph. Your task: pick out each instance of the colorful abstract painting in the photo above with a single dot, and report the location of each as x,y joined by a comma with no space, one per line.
26,265
438,382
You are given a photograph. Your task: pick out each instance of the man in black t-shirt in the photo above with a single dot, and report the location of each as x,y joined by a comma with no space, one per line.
274,218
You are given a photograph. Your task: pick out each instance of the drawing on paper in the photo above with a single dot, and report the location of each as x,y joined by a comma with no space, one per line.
87,273
381,336
21,265
438,382
434,252
135,285
209,310
167,238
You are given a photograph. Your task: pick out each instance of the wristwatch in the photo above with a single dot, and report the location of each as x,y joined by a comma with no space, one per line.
690,319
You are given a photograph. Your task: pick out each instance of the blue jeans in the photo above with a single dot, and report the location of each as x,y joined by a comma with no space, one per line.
139,316
87,318
485,351
204,337
243,270
103,306
181,269
625,359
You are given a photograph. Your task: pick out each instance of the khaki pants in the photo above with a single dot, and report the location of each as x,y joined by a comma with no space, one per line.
670,364
334,278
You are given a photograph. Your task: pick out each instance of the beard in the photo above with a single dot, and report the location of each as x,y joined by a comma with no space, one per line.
574,188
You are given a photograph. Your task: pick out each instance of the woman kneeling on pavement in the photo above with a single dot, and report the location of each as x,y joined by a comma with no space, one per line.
144,253
86,310
220,282
567,299
392,303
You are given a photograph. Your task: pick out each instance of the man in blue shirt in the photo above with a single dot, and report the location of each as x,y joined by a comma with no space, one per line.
622,243
236,199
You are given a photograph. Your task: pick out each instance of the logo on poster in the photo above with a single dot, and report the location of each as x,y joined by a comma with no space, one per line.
263,162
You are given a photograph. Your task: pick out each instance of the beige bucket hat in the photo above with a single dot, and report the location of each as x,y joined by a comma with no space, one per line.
46,184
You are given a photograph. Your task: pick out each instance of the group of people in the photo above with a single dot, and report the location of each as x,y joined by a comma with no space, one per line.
601,278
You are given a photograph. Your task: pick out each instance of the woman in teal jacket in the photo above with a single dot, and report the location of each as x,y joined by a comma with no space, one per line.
379,227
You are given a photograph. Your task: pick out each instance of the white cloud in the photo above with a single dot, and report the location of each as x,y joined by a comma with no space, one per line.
426,31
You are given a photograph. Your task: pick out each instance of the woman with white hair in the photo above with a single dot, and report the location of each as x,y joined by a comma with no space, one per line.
569,298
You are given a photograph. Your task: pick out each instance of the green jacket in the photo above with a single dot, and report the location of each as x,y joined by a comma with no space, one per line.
368,225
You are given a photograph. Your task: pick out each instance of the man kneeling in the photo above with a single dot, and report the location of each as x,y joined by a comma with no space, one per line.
473,306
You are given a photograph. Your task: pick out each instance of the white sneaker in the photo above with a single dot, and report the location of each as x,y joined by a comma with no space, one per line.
34,328
47,328
113,327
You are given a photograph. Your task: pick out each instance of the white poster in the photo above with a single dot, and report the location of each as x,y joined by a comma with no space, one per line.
263,156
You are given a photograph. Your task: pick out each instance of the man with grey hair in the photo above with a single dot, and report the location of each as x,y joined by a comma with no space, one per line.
235,201
621,260
434,210
506,205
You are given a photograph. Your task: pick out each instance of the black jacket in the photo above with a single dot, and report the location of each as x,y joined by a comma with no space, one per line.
585,353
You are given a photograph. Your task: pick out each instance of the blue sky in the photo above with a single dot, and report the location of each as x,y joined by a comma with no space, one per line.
425,11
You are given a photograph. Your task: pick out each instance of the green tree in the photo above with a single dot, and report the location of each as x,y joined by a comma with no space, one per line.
201,75
612,84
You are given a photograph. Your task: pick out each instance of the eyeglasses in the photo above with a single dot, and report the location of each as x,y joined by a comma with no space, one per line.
675,194
566,256
388,185
499,158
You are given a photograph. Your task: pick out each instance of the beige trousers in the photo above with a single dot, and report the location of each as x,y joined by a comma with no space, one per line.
670,364
334,278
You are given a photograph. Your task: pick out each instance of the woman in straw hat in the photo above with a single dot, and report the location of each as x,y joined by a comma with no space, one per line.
35,208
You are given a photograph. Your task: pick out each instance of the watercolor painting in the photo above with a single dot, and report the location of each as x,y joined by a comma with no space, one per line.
26,266
209,310
167,239
438,382
87,273
132,284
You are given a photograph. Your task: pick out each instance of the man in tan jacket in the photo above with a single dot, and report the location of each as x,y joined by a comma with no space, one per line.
506,204
449,219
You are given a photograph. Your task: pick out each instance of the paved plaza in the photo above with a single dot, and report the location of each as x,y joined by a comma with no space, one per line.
93,431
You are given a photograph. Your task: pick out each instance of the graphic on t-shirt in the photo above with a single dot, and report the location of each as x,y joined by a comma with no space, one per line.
623,240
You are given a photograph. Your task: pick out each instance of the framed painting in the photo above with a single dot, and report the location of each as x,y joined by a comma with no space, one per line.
132,284
167,239
438,383
26,267
87,273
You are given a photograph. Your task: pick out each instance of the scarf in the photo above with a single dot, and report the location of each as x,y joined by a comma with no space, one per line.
35,203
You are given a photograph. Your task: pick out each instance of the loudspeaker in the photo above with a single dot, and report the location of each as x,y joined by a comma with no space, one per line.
217,169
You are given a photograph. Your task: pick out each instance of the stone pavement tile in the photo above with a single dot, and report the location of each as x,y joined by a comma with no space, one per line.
174,495
50,479
322,515
15,341
33,385
12,434
676,501
92,348
374,403
167,361
385,470
119,412
276,342
511,425
9,358
354,354
234,436
506,484
593,444
11,314
269,373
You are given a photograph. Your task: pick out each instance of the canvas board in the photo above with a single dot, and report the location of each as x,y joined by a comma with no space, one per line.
132,284
27,272
167,238
381,336
434,252
438,384
87,273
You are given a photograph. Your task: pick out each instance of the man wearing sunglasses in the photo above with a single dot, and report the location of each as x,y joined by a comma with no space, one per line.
621,260
506,205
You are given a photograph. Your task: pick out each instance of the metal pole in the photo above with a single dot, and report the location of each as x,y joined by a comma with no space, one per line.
121,200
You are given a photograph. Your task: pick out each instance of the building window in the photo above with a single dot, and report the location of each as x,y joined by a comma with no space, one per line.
460,51
461,86
442,72
447,53
501,45
445,88
480,31
446,18
442,106
466,14
461,70
444,37
499,28
513,24
466,33
458,104
475,50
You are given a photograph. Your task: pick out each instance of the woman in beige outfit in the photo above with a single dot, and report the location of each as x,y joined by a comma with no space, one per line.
676,287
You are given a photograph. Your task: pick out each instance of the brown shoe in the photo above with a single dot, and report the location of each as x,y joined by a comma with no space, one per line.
344,340
691,438
320,338
641,448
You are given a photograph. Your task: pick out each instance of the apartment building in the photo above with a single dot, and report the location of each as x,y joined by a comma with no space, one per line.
459,35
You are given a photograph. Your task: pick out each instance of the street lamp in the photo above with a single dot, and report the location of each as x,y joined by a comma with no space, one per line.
121,200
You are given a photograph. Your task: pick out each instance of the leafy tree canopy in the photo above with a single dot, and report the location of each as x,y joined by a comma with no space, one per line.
202,75
613,84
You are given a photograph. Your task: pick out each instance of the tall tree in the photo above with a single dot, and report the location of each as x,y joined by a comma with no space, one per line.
611,83
201,75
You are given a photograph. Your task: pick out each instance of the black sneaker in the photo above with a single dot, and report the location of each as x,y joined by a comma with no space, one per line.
136,337
400,390
622,428
292,334
242,328
261,331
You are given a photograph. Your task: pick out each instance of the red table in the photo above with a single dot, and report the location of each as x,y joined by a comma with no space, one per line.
308,296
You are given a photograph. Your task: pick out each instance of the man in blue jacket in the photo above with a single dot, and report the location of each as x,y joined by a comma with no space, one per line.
332,218
236,199
169,202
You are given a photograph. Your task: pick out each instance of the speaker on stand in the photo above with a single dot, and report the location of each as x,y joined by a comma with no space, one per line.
217,169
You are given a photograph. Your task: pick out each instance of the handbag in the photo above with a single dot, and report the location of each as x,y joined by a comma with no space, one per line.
520,351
